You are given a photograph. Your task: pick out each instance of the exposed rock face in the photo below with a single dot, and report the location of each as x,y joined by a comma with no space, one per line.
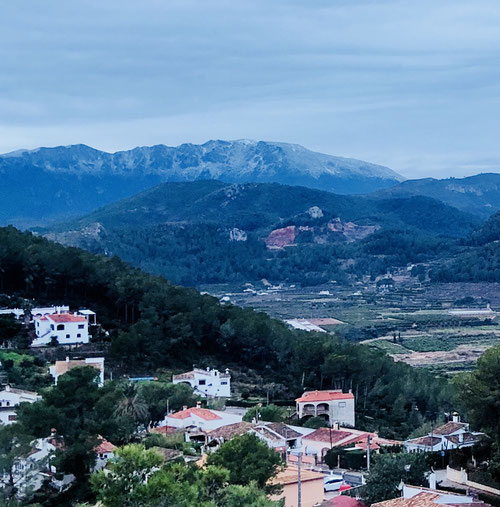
280,238
236,234
315,212
335,230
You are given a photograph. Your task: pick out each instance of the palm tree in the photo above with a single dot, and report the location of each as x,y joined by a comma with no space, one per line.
132,405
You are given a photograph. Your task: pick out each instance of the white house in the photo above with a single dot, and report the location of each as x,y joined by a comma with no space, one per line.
66,328
452,435
206,383
203,419
104,452
61,367
10,398
333,406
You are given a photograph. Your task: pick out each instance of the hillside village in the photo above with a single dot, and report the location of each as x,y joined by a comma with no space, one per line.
328,458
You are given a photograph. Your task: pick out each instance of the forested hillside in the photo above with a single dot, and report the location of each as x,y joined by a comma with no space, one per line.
480,258
154,324
210,232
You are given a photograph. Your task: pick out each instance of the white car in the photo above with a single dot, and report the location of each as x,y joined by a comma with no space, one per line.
333,482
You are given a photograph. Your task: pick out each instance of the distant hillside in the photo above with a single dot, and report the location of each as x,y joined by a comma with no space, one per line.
479,195
55,183
479,260
209,231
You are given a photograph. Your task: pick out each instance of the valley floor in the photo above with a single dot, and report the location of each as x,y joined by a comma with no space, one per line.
413,322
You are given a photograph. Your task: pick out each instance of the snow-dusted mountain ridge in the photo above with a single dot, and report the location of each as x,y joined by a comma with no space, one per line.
76,179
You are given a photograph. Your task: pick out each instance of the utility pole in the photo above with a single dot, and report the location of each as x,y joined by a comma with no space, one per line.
368,453
299,483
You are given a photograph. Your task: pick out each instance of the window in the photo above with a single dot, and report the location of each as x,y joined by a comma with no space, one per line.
60,327
81,326
78,335
202,382
67,336
223,383
12,417
52,327
8,403
342,404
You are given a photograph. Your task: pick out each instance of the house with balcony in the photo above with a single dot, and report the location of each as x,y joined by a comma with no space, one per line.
332,405
206,383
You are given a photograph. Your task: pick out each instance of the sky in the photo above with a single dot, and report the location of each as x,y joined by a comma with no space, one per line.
413,85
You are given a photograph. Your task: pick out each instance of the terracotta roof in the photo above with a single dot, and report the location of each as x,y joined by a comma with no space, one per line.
289,476
283,430
202,413
423,499
312,396
105,446
466,438
343,501
426,441
64,366
65,317
231,430
327,435
449,428
162,430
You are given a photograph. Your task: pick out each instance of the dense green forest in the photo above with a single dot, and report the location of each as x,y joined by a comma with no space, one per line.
185,232
153,324
479,259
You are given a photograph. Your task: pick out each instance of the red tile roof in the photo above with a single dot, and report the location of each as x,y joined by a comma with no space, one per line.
104,447
327,435
65,317
312,396
449,428
425,441
202,413
343,501
164,429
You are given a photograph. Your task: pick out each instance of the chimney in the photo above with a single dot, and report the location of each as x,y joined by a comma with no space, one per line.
53,432
67,359
198,404
456,417
7,387
184,407
336,426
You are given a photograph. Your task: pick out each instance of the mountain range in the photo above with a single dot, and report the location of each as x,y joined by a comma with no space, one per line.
50,184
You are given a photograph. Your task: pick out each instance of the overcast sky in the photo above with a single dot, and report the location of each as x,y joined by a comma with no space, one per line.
414,85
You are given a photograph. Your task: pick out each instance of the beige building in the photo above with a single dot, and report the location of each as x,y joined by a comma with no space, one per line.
312,487
333,406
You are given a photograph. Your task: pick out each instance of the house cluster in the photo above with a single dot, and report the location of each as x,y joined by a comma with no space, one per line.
36,467
452,435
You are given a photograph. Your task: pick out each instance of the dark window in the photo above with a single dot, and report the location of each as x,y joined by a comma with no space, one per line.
202,382
67,336
60,327
12,417
52,327
78,335
81,326
223,383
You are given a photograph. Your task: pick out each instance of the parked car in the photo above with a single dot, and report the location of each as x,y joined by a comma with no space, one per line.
333,482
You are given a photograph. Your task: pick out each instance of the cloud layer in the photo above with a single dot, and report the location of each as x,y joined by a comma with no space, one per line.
412,85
